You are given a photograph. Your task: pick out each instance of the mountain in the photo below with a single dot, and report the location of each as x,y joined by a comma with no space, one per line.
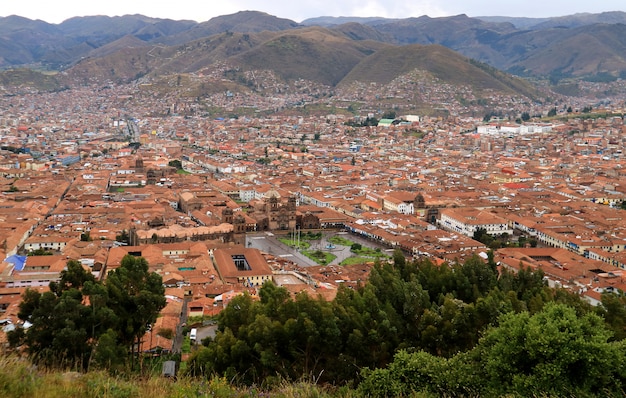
241,22
315,53
590,50
518,22
21,39
440,62
330,57
357,31
583,19
584,52
332,21
27,42
588,46
100,30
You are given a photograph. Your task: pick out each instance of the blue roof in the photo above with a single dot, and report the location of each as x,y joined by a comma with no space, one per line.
17,261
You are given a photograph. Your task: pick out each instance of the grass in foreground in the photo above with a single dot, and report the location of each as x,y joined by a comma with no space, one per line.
18,378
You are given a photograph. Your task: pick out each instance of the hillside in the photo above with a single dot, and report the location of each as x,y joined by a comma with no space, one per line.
442,63
13,80
586,51
315,54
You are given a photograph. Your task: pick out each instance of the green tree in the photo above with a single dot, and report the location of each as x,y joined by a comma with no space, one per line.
553,352
108,354
389,115
177,164
61,322
58,336
409,373
136,296
123,237
40,252
73,277
613,310
70,320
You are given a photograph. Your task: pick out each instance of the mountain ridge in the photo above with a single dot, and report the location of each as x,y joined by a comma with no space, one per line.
124,48
492,40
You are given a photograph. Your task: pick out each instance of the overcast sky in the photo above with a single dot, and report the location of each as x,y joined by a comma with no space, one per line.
59,10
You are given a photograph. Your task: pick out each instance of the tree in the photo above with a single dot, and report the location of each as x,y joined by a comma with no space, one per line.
60,328
177,164
108,354
81,319
553,352
40,252
552,112
123,237
399,260
61,321
136,296
525,116
407,374
73,277
389,115
613,310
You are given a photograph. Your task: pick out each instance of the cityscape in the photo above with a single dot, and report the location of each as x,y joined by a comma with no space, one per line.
306,185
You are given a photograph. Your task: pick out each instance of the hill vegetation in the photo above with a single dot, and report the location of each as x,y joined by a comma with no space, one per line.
412,328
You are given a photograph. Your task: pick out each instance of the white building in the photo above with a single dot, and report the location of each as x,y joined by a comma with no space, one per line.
468,220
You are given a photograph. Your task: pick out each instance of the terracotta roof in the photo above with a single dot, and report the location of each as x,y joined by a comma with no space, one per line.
227,268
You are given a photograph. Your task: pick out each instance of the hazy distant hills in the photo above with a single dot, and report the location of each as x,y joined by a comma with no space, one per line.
325,49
